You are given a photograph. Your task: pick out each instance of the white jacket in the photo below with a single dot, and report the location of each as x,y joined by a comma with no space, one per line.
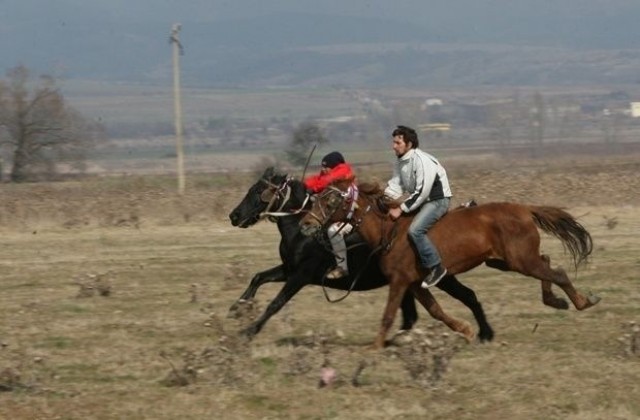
421,176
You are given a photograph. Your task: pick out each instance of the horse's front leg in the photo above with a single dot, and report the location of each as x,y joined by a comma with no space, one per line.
435,310
273,274
290,288
396,293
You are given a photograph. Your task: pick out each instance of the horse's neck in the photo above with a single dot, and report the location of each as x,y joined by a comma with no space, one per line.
289,227
298,196
374,227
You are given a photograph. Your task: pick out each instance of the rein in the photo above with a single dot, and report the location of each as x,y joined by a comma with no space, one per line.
385,244
350,197
353,283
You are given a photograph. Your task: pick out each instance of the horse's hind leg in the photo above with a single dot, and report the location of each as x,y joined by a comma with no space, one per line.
409,312
467,296
435,310
541,270
548,297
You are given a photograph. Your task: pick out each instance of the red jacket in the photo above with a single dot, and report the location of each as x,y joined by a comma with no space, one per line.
317,183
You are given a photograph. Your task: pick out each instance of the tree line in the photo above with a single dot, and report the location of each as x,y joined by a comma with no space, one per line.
39,130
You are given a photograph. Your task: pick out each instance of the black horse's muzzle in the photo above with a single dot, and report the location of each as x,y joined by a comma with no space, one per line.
238,221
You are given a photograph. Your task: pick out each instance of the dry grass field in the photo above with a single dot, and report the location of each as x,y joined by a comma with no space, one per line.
114,295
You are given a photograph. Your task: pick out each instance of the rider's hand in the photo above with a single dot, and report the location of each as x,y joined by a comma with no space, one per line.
395,213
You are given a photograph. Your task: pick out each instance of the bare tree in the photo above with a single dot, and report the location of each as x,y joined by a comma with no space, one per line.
39,128
304,137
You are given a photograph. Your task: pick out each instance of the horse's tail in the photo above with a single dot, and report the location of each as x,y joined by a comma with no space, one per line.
565,227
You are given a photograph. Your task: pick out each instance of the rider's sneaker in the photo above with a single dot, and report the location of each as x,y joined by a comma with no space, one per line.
435,275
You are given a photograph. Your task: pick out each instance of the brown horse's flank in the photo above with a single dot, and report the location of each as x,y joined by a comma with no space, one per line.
504,236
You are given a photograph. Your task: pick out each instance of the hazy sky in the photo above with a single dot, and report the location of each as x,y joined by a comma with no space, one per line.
409,10
90,37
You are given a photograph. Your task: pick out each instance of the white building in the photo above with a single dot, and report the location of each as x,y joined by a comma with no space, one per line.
635,109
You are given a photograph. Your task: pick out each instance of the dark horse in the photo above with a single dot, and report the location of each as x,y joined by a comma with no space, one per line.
305,260
502,235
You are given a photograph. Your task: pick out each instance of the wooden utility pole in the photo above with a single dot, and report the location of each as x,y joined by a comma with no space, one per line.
177,52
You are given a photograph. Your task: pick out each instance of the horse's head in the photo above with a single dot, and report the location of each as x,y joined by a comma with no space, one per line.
336,203
260,198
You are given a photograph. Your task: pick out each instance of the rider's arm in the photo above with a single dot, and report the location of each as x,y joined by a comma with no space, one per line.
425,174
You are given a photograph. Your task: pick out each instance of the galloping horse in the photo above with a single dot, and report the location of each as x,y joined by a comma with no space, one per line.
502,235
305,260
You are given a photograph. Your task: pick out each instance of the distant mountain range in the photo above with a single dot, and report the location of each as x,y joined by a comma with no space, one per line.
474,46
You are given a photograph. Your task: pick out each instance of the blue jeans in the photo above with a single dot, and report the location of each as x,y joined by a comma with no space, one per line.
426,217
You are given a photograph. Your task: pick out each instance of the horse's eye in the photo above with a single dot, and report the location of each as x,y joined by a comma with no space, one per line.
334,201
266,195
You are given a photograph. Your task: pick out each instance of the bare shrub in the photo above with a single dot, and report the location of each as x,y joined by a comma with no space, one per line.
426,355
610,222
228,362
93,284
630,339
10,380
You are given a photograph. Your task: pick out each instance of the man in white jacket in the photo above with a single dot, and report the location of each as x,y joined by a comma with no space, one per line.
420,176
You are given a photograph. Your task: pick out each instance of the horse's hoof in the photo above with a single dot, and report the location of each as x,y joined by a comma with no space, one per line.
485,336
593,299
248,333
471,337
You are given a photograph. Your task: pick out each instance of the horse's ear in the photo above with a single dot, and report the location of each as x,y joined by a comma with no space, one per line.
269,172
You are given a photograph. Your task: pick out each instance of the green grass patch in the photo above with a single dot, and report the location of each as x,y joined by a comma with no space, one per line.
55,342
73,308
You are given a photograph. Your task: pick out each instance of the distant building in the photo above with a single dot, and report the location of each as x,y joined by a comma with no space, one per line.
438,129
431,102
635,109
435,127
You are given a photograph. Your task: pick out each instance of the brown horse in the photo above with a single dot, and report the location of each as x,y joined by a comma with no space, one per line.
502,235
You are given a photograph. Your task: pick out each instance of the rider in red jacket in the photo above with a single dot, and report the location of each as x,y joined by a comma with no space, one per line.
334,168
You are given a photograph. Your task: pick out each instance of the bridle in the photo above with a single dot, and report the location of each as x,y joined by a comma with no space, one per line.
335,199
278,193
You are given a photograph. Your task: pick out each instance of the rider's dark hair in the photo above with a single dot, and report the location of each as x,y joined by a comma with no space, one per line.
408,134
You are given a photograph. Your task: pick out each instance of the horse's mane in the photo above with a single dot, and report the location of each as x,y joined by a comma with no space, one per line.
375,192
371,188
